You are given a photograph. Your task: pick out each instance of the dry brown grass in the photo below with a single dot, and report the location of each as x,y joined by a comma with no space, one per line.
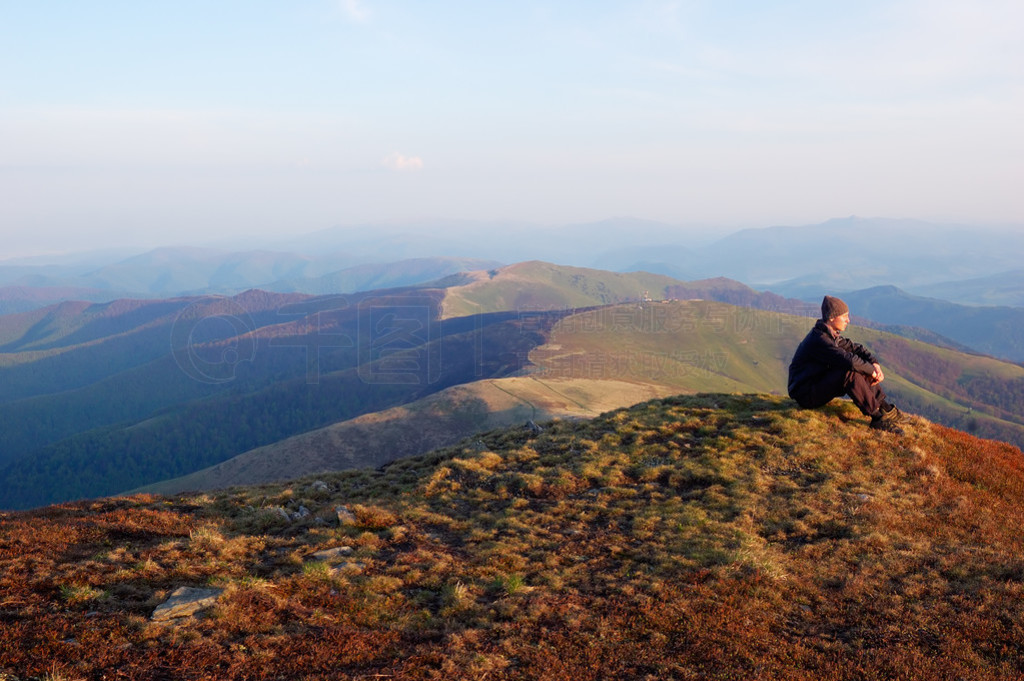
706,537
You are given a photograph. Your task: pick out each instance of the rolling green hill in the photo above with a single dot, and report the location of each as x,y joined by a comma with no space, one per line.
534,285
702,537
438,420
700,346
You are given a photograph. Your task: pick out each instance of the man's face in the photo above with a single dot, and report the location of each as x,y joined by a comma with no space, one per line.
841,322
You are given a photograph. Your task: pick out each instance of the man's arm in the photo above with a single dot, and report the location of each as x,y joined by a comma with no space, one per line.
868,363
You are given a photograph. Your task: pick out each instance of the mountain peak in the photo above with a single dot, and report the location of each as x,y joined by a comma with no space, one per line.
727,532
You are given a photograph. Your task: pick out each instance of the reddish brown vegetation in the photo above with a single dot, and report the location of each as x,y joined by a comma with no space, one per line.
712,537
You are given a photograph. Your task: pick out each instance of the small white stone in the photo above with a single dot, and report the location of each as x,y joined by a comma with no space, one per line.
345,516
186,601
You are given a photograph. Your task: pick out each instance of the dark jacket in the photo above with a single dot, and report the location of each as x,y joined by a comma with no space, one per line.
822,353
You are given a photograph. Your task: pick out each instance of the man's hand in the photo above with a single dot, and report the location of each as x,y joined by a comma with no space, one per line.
877,377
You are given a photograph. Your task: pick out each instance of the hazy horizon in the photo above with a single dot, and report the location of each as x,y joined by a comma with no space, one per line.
506,241
128,125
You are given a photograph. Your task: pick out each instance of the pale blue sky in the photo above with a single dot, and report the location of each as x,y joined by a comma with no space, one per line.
152,122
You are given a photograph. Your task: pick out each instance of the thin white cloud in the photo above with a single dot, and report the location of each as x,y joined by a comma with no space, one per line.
355,10
404,163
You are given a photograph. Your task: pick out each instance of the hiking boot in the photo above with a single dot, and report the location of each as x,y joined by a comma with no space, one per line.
888,421
890,411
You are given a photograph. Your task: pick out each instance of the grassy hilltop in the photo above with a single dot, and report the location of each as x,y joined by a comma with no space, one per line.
535,285
698,537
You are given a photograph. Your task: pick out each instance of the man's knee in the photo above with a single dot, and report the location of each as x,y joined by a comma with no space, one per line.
866,395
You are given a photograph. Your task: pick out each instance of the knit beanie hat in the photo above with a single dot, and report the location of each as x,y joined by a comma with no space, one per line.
833,307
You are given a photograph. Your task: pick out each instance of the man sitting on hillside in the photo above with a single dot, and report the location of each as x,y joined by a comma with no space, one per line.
826,366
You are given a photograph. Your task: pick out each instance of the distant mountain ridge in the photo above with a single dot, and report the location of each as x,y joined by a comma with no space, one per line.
849,254
793,261
1002,289
996,331
176,272
14,299
854,252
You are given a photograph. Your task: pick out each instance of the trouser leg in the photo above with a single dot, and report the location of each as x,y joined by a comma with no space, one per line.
868,398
